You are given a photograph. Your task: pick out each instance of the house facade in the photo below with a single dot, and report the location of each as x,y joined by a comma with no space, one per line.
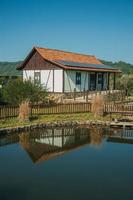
63,72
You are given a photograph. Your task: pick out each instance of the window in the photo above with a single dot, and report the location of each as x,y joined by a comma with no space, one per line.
78,78
37,77
100,78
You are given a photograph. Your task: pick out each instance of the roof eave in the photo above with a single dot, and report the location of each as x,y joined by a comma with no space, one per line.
93,69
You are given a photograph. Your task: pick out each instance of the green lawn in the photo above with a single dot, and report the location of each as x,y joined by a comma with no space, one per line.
52,118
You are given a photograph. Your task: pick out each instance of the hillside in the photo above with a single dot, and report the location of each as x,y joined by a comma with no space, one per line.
123,66
9,68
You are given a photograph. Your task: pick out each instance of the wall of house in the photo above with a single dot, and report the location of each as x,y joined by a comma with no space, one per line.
28,74
47,79
58,80
51,75
70,81
51,79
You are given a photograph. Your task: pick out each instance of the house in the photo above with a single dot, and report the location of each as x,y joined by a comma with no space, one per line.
62,71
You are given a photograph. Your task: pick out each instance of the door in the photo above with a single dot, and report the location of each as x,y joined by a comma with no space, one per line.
100,81
92,84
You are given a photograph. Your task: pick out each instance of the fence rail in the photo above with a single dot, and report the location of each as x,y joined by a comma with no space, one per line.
13,111
119,108
61,108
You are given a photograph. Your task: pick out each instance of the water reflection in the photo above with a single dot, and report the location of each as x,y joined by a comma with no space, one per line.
121,136
96,135
45,144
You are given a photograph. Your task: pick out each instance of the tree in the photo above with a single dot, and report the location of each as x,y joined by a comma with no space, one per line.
18,90
126,82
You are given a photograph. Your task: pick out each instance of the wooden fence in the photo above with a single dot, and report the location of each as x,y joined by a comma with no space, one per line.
125,109
61,108
13,111
8,111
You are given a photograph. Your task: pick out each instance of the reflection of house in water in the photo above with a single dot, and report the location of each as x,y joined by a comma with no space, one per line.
121,136
52,142
44,144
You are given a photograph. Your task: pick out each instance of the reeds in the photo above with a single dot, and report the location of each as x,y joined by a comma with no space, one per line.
96,136
97,106
24,111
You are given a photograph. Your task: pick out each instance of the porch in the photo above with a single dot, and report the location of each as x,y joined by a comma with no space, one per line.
84,91
81,81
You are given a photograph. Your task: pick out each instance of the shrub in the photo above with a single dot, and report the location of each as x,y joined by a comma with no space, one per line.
18,90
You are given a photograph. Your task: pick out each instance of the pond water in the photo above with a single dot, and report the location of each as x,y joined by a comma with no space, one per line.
67,163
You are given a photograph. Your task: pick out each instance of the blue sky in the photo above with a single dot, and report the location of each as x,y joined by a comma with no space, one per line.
97,27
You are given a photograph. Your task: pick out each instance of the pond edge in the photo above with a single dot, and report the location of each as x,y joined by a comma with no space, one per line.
64,124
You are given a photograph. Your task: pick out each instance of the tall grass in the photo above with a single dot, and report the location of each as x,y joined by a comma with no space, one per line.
24,111
97,107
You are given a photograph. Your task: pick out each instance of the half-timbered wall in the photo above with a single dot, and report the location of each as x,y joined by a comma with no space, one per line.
51,79
51,75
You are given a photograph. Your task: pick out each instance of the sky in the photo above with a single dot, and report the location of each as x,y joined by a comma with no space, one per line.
103,28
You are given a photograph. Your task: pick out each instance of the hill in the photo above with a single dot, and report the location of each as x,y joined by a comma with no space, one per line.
126,68
9,68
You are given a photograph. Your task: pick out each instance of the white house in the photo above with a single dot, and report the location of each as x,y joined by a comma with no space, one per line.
61,71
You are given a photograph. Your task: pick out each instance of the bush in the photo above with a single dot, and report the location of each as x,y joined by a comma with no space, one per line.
18,90
126,82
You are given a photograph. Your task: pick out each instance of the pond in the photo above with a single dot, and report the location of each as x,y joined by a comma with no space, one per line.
67,163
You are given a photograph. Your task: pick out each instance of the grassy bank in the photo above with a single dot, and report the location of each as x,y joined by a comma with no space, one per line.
52,118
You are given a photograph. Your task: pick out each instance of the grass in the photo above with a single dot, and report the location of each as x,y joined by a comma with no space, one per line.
52,118
58,118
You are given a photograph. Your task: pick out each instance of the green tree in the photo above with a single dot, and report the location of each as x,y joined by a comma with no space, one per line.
18,90
126,82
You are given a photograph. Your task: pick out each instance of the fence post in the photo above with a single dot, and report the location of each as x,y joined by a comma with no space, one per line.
74,95
87,96
84,93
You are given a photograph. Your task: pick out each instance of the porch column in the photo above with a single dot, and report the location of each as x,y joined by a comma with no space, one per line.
108,87
96,81
102,87
114,84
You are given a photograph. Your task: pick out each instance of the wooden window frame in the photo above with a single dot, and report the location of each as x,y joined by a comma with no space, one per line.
37,74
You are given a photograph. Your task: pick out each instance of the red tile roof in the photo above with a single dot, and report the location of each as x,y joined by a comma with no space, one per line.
53,55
